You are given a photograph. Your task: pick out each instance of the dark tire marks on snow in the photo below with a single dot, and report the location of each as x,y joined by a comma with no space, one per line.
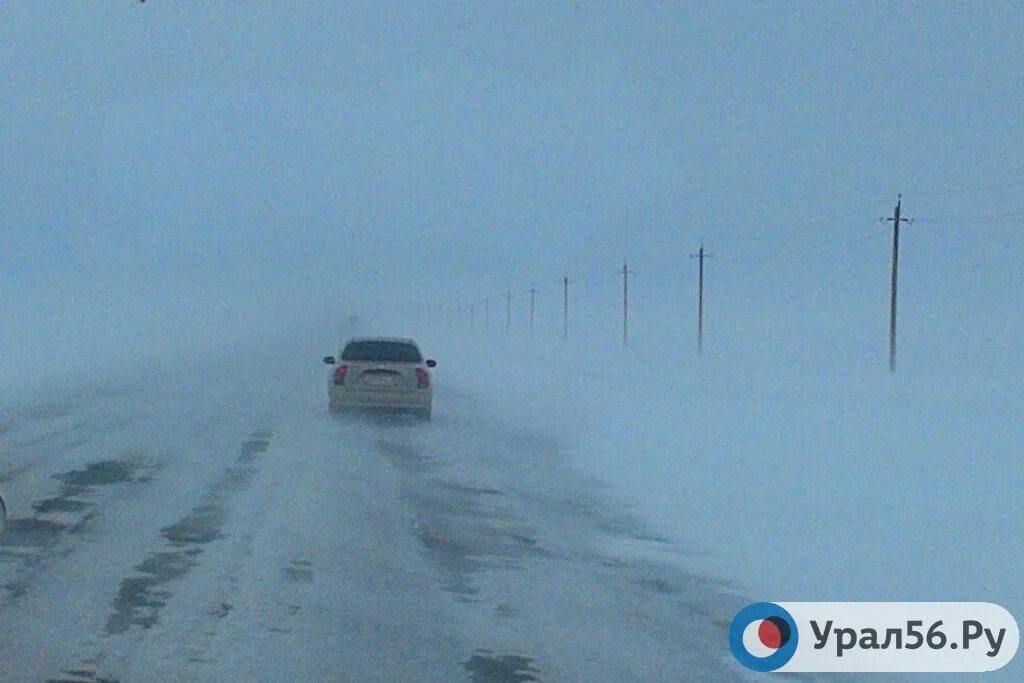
81,676
499,539
465,530
30,541
141,596
299,571
487,667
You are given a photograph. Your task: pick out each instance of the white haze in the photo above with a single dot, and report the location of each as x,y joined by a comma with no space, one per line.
189,181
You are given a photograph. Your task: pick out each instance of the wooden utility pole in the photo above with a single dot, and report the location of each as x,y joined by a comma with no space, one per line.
895,220
625,304
533,294
700,255
565,307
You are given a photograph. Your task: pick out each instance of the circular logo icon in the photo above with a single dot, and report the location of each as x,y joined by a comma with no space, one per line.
763,637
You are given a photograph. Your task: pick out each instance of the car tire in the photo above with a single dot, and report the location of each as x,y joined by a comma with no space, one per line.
423,415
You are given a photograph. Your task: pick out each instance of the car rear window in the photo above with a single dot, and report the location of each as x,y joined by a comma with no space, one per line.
381,352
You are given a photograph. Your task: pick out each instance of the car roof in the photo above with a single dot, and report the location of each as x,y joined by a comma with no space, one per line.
399,340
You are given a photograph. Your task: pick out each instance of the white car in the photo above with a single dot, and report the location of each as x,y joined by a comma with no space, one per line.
381,373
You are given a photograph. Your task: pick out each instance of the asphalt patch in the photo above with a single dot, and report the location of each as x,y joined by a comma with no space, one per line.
657,586
82,676
487,667
300,571
77,483
202,526
140,598
101,473
60,504
221,610
32,532
472,490
252,448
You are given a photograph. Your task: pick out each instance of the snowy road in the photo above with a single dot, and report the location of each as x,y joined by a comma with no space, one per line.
187,533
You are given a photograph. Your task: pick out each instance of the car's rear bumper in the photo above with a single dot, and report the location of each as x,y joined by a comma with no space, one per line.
379,400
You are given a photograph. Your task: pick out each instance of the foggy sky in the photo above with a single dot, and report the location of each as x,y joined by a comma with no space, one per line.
185,171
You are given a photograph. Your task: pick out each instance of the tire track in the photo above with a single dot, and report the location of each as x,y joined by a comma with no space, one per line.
511,548
30,543
141,597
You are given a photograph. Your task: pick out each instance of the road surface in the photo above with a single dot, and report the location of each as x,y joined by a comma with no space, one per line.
181,529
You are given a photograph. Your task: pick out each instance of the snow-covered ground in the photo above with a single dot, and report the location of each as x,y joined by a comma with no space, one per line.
801,474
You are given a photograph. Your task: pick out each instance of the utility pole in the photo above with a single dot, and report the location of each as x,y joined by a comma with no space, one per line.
508,313
533,294
895,220
700,295
487,315
565,307
625,304
472,317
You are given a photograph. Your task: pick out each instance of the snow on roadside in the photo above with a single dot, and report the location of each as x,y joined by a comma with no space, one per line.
800,481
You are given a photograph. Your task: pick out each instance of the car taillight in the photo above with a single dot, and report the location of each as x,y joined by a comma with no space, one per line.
422,378
339,374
